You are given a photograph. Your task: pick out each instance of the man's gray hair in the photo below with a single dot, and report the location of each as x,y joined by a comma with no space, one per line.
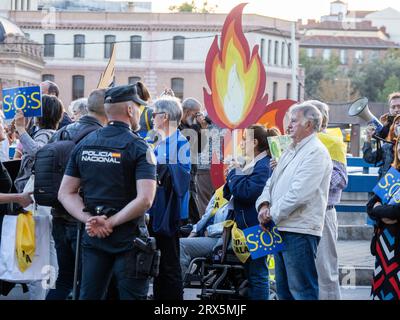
323,108
96,101
191,104
171,106
310,113
80,105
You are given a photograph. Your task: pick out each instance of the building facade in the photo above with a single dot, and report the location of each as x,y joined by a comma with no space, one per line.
21,59
390,19
164,50
353,43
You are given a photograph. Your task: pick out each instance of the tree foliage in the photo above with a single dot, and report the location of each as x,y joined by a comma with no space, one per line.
324,79
192,7
378,78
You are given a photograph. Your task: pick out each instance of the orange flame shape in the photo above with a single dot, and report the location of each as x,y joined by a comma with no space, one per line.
236,79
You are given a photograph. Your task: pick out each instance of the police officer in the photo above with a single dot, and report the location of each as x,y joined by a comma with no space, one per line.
115,170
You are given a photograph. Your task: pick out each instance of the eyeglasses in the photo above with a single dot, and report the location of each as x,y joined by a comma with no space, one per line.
156,113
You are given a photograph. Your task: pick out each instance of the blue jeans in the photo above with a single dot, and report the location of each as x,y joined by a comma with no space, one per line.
258,277
64,234
99,265
295,269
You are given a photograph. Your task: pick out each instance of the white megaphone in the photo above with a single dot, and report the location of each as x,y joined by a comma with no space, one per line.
360,109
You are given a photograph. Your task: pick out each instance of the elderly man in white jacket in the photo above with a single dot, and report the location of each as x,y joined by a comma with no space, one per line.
295,198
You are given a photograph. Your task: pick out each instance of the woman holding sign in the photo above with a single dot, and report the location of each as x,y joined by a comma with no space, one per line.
385,243
47,124
245,186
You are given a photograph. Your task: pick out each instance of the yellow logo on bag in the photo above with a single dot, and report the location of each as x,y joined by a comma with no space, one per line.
25,240
239,245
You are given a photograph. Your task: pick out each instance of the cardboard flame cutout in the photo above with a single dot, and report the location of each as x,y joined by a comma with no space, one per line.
236,79
237,82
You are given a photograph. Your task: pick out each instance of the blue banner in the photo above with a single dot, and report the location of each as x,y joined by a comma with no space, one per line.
388,185
261,243
28,99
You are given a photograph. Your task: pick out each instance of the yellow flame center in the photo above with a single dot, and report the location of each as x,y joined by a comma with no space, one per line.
236,84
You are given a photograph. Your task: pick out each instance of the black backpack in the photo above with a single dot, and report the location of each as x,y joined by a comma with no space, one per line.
50,164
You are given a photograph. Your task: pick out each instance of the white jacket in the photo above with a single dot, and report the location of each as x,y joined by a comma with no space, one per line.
298,188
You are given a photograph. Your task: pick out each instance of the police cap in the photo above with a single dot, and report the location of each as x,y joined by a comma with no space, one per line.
122,94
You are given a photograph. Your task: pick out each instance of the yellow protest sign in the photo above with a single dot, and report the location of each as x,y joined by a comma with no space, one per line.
333,141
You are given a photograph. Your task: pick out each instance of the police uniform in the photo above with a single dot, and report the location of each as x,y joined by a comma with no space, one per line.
108,162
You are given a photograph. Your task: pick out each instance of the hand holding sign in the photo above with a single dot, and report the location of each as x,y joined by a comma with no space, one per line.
263,241
19,121
264,215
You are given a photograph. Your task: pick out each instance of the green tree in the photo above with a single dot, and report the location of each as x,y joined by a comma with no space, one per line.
184,7
319,73
371,79
192,7
391,85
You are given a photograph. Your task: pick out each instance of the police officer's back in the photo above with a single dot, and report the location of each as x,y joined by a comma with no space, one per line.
116,171
64,225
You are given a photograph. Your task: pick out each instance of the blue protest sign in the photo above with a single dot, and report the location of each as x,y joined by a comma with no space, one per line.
395,198
28,99
261,243
388,185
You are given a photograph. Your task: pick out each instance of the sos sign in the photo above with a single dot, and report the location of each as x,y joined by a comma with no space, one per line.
27,99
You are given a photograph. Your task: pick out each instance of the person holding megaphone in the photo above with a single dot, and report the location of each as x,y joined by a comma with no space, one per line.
384,151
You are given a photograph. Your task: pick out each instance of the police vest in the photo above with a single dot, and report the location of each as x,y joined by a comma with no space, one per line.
108,170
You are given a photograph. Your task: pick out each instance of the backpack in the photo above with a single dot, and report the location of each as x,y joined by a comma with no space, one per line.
50,164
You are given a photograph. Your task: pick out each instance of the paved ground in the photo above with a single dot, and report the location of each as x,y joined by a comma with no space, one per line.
355,293
352,254
355,254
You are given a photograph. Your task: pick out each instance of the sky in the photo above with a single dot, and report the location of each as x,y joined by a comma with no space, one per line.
284,9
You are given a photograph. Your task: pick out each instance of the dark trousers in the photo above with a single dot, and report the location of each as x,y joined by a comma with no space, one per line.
65,235
168,284
97,268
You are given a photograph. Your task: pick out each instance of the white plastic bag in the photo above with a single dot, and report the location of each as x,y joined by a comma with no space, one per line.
38,270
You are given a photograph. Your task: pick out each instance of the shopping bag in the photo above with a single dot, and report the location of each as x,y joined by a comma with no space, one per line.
9,269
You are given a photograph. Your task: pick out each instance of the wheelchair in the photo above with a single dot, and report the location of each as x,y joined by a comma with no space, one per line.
222,280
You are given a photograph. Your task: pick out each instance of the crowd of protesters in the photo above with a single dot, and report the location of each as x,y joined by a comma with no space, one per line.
158,166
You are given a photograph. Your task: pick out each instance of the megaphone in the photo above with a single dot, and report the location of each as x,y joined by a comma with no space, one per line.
360,109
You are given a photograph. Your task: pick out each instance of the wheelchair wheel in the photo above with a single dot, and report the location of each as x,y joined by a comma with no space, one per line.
273,295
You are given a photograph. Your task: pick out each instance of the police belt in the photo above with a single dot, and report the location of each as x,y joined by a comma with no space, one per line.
101,211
